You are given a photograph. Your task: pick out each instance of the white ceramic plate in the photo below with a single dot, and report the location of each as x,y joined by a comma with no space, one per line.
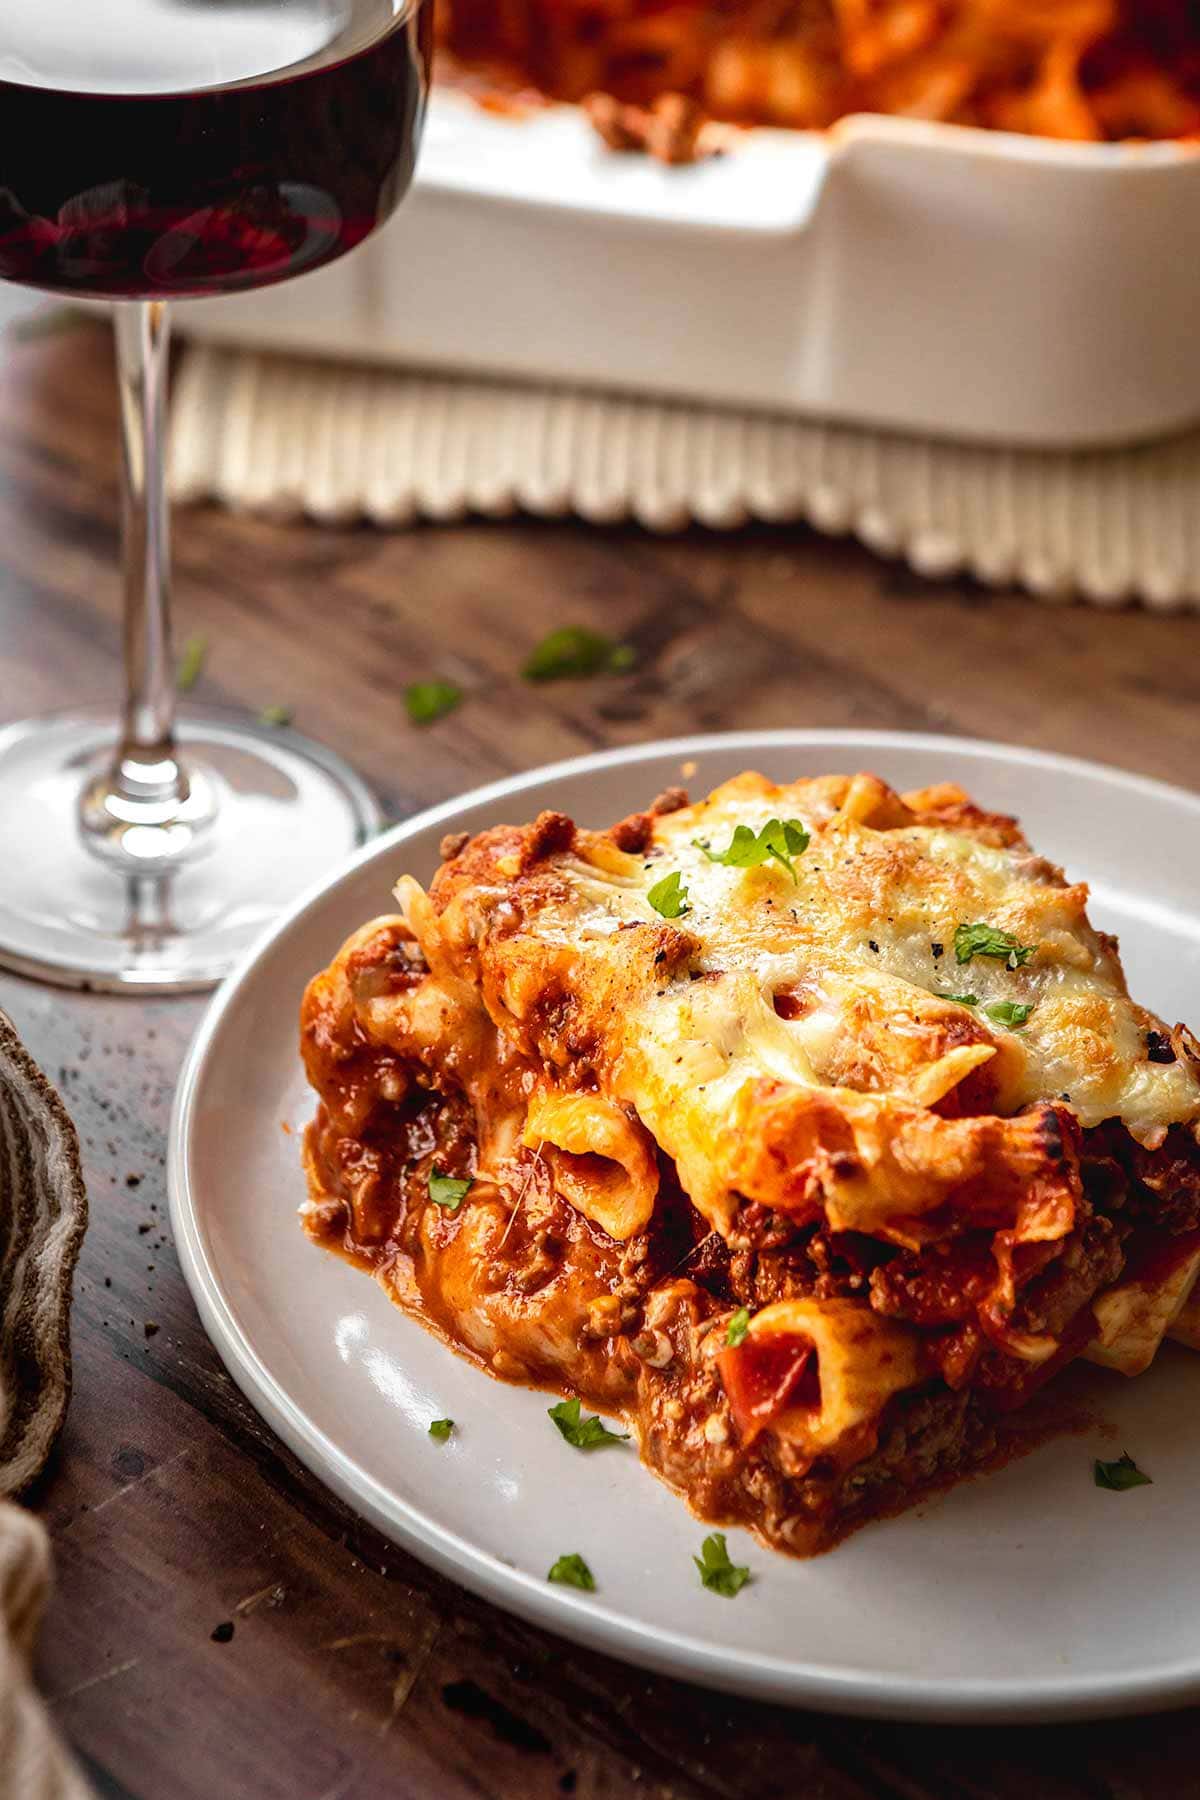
1029,1594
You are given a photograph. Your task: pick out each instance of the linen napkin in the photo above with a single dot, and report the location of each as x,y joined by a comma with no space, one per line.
43,1213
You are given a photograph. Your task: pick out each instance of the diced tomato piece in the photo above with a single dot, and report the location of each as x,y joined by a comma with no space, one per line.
761,1376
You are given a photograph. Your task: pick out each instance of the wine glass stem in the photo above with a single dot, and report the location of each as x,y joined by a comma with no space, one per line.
144,811
143,348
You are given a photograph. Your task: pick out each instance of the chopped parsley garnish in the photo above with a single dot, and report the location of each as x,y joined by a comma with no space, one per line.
191,663
960,999
739,1325
448,1190
430,700
669,896
278,716
1009,1012
1119,1475
572,1571
780,840
583,1433
441,1429
717,1572
572,651
988,940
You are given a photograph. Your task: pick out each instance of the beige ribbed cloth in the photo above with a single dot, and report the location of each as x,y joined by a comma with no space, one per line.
33,1763
340,442
43,1213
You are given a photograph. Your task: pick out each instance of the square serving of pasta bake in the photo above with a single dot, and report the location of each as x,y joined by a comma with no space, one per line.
809,1131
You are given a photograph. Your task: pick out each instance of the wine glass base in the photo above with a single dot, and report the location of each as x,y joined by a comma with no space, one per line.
288,811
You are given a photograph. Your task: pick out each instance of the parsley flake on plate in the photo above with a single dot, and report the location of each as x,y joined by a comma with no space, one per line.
426,701
981,939
1119,1475
583,1433
191,663
572,651
780,840
275,715
960,999
441,1429
717,1572
739,1325
572,1571
448,1190
669,896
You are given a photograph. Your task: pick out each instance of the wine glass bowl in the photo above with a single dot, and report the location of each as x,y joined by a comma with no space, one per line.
166,148
155,150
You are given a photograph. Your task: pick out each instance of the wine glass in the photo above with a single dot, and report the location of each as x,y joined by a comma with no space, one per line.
152,150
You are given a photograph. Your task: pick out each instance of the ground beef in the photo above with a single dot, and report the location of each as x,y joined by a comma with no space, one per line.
772,1258
758,1227
1165,1185
1105,1182
761,1277
845,1260
708,1265
925,1438
1092,1259
677,1241
388,962
688,1437
940,1285
1157,1187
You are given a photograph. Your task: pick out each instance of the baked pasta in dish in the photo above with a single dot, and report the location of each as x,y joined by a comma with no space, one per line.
809,1129
1081,69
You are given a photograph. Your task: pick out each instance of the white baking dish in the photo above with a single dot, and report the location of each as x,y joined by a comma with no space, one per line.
926,277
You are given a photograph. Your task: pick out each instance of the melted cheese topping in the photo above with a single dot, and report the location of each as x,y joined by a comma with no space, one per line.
802,1019
856,929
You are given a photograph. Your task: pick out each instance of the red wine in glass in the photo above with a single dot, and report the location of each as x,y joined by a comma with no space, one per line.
155,150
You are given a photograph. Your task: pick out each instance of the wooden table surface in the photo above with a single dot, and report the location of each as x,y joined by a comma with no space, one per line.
353,1671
